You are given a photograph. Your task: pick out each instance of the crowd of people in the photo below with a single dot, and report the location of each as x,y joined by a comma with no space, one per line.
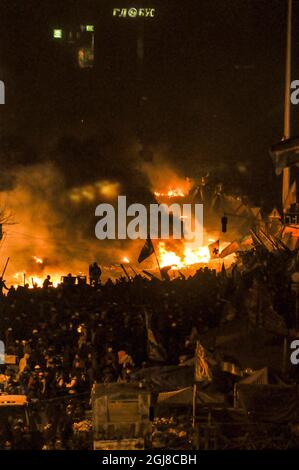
68,337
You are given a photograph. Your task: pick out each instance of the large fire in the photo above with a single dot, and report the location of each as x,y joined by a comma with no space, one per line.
189,257
36,274
49,239
34,280
171,192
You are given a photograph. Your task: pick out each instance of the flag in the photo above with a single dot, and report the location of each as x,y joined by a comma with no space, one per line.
285,154
261,238
231,248
278,244
256,239
150,275
270,244
146,251
125,271
214,249
256,212
274,214
246,242
155,350
292,196
202,370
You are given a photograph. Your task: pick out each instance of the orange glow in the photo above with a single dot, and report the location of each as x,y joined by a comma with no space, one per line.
55,278
172,192
89,193
32,279
189,257
108,189
168,258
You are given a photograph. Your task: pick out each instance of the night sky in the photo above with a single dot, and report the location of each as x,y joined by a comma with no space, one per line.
212,78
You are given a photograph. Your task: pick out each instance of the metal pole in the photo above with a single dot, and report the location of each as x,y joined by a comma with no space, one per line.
125,271
194,405
287,132
3,272
297,310
140,80
131,267
284,355
157,261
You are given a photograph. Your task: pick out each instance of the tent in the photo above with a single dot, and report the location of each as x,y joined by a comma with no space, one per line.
165,378
269,403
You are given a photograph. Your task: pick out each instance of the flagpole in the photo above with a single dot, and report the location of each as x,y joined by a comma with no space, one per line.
287,131
219,255
157,260
125,271
132,269
194,405
194,389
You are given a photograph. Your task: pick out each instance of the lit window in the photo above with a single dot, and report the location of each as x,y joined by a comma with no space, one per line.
85,57
57,33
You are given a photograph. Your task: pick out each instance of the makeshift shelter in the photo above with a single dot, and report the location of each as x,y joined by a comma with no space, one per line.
269,403
165,378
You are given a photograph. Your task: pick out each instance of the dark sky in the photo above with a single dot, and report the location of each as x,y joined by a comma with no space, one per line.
213,78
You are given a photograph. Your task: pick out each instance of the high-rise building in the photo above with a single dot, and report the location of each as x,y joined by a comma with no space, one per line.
79,40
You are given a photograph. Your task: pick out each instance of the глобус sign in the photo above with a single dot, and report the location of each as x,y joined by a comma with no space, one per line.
134,12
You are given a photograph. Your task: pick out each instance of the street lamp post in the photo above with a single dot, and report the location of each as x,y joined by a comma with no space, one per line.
287,131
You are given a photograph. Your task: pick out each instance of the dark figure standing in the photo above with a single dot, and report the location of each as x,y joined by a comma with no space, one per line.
2,286
47,283
94,274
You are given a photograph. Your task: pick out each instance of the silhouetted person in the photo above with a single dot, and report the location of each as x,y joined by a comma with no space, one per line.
94,274
2,286
47,283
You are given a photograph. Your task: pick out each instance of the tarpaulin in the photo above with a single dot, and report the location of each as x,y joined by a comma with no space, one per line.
184,397
269,403
165,378
257,377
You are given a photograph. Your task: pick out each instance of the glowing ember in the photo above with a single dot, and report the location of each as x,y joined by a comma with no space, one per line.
171,193
125,260
38,260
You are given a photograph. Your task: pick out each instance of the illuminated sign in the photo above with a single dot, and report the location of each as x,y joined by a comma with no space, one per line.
57,33
134,12
90,28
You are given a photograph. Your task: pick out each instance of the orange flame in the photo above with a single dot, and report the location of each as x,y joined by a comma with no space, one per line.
172,192
190,256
